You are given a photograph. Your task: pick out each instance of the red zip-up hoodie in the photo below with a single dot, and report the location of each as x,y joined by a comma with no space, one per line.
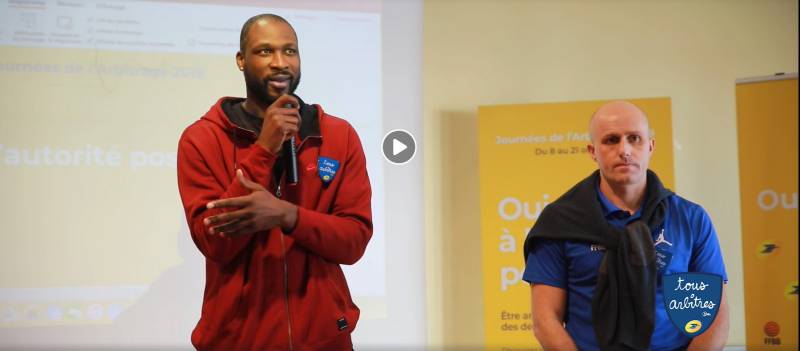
274,290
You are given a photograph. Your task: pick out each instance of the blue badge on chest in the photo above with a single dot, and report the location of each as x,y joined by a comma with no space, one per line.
692,301
327,167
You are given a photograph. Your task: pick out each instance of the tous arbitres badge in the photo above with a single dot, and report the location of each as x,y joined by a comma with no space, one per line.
327,167
692,301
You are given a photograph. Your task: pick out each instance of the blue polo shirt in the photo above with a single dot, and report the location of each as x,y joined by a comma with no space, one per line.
685,242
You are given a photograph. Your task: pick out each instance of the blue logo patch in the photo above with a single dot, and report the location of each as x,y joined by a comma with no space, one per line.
326,168
692,300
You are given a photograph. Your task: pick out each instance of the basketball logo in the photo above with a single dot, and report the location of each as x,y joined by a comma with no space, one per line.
772,329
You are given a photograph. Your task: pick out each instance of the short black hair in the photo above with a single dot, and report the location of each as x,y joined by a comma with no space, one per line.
250,22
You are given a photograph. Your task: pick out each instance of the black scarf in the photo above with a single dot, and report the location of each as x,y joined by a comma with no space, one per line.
623,304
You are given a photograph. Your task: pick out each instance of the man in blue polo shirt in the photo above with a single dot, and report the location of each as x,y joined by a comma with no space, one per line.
596,254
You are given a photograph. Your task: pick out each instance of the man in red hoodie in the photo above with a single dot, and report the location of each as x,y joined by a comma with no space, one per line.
273,249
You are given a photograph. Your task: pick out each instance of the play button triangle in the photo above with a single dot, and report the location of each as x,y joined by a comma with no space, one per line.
397,147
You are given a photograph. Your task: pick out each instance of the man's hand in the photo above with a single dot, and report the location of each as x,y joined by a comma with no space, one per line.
257,212
280,123
548,306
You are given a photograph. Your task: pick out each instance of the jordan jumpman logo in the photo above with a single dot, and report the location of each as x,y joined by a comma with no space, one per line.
661,240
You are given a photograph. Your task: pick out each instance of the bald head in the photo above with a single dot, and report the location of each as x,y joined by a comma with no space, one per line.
621,144
617,112
265,18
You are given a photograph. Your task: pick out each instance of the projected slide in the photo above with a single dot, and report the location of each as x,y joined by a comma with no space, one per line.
95,96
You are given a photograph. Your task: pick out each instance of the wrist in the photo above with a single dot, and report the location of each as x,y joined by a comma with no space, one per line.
289,218
274,149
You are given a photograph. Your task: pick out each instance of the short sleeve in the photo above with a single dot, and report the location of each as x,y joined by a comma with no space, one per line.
546,264
706,253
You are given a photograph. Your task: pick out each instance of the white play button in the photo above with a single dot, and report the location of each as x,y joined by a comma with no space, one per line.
397,147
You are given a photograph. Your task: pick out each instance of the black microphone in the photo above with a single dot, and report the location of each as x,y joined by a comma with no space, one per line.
294,176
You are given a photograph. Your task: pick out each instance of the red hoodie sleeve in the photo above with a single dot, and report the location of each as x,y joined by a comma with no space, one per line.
342,235
204,176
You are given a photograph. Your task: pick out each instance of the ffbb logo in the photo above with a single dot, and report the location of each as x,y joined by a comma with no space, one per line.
772,330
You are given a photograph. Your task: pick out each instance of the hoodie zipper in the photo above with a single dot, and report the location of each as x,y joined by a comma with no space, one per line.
286,294
285,277
278,193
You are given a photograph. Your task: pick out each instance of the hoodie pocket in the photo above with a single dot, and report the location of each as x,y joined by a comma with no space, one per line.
222,312
326,312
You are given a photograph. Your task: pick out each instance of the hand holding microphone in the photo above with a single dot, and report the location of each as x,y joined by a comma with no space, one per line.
281,124
281,121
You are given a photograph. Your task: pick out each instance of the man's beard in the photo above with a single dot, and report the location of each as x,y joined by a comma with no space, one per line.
259,88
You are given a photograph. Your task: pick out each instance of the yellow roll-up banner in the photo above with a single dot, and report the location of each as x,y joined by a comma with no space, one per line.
529,156
767,127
